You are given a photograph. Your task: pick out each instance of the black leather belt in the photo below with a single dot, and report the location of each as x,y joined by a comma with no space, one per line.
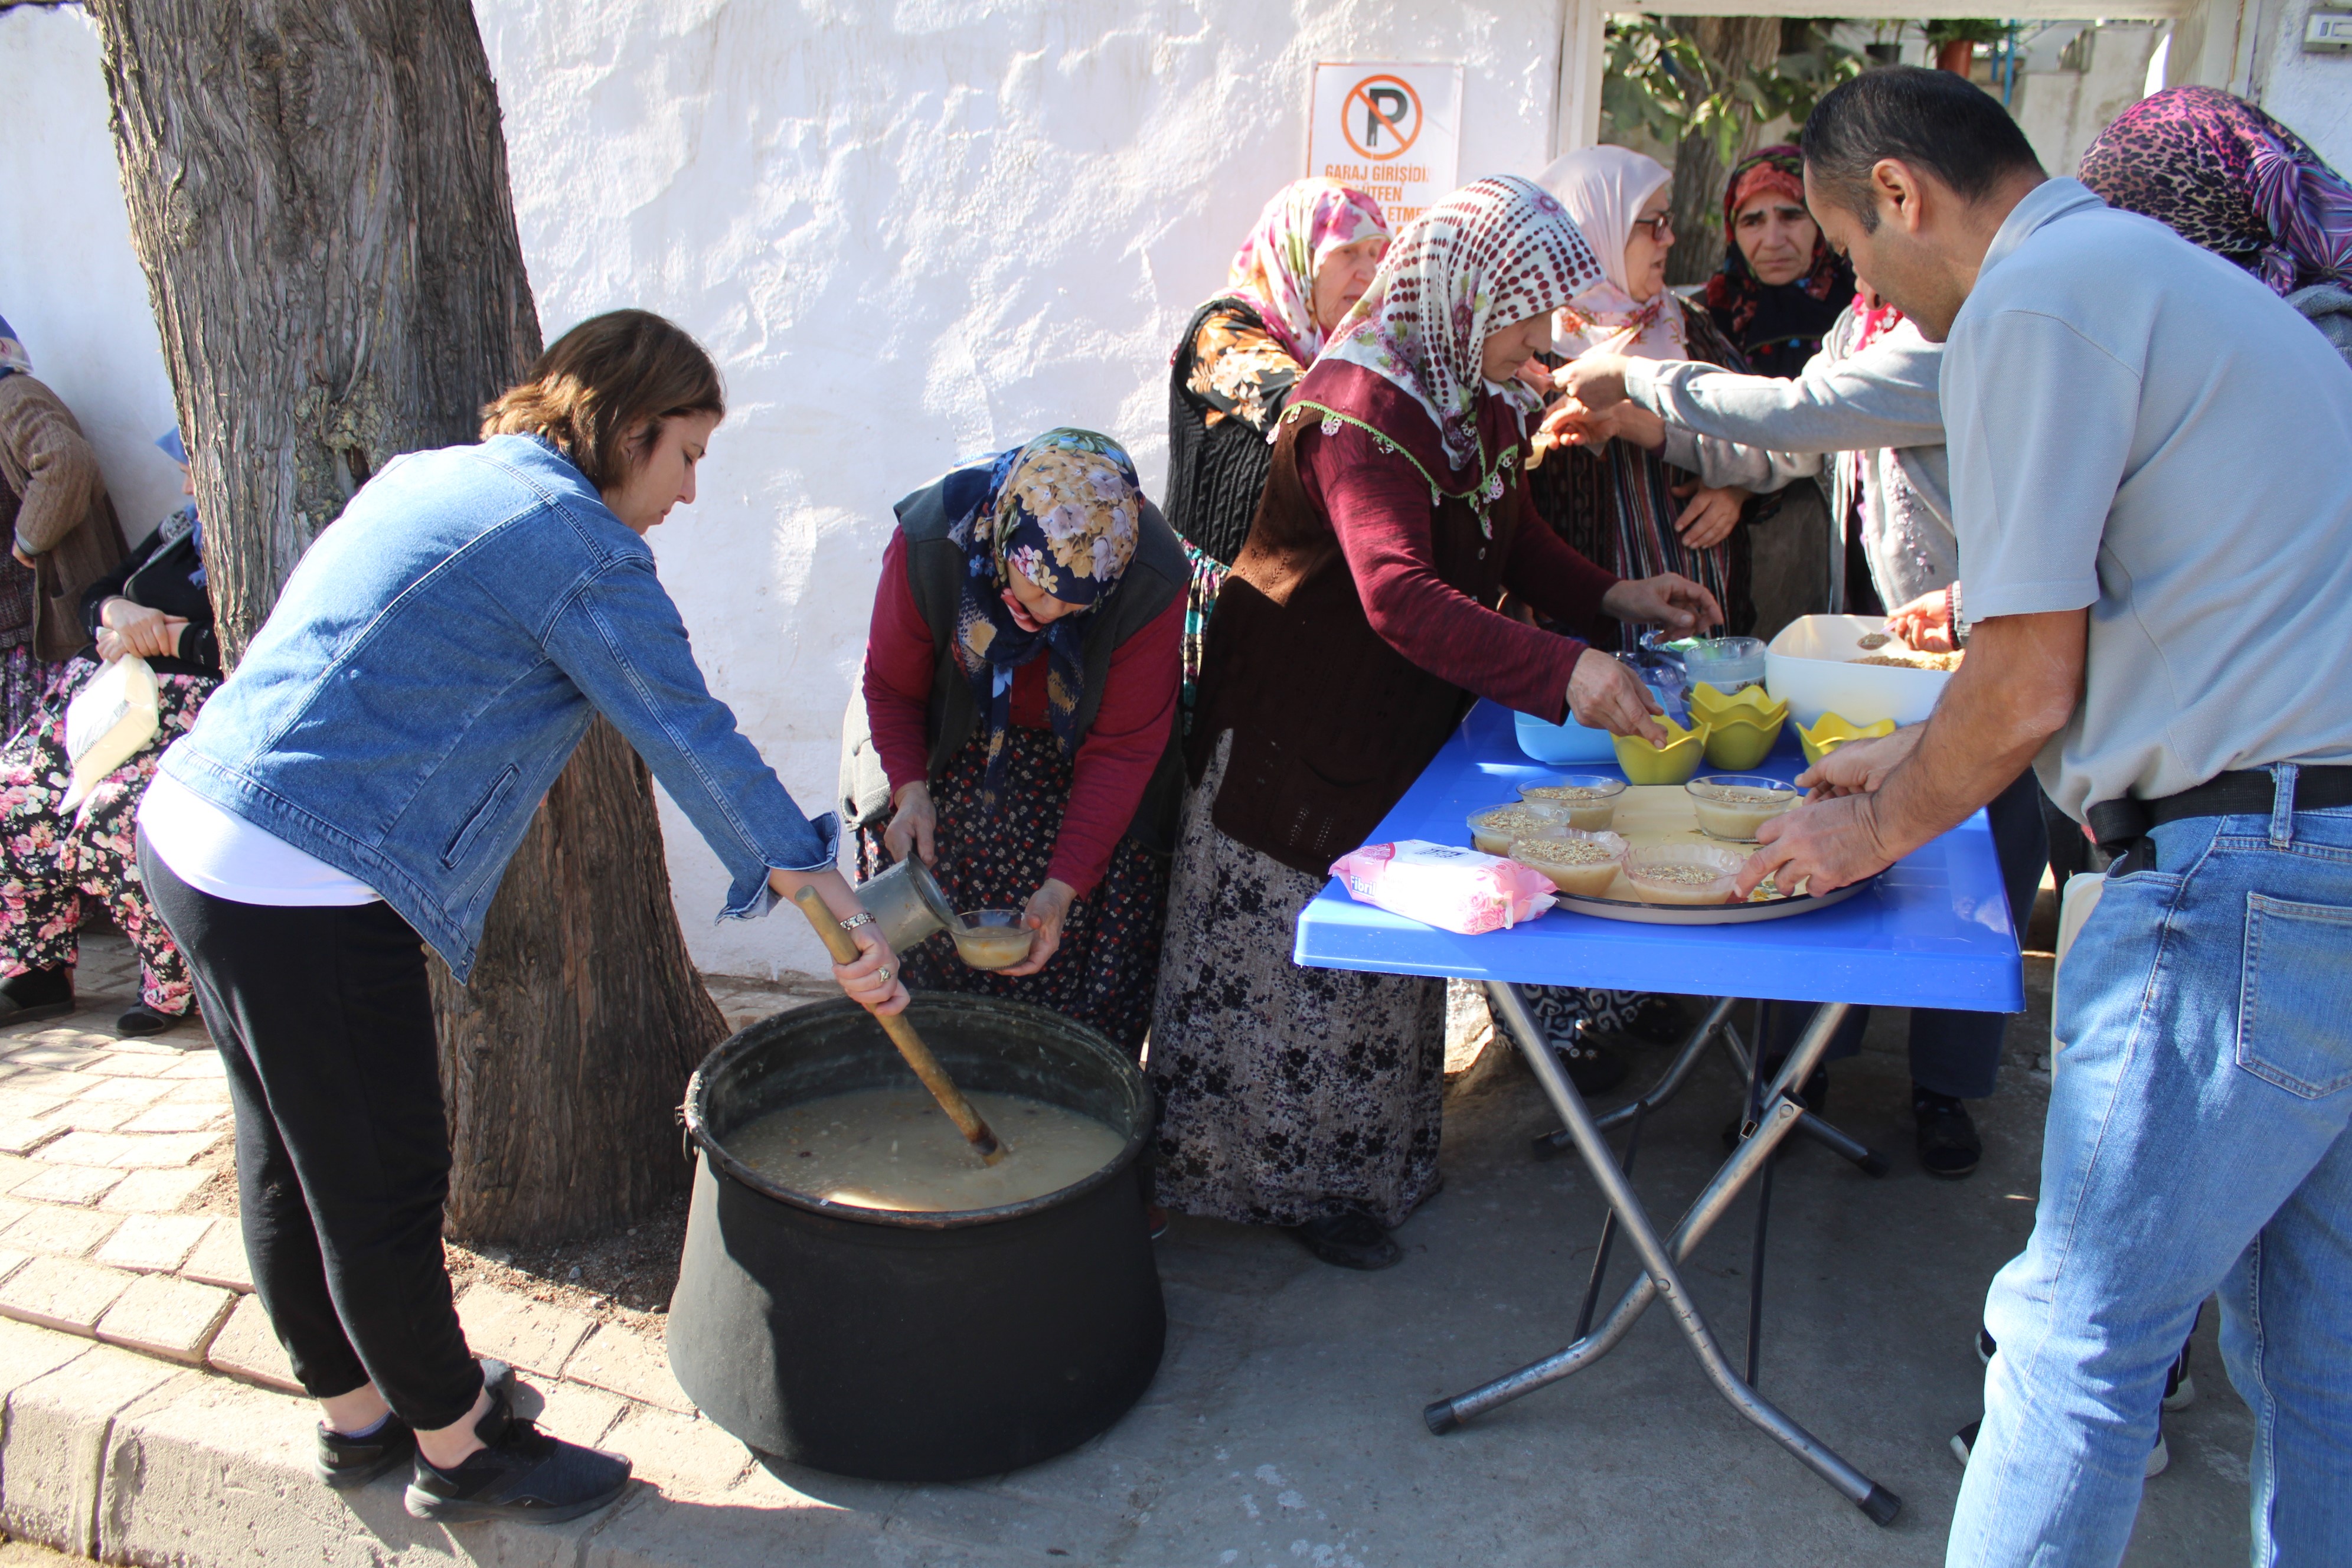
2122,827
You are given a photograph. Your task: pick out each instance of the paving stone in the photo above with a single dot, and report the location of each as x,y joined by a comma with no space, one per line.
14,1168
195,1091
167,1316
176,1118
60,1293
88,1114
22,1135
88,1043
12,1261
220,1258
43,1055
27,1352
57,1431
153,1243
130,1151
519,1331
59,1232
67,1185
124,1091
87,1148
203,1062
28,1101
134,1061
248,1347
155,1191
624,1363
689,1459
578,1413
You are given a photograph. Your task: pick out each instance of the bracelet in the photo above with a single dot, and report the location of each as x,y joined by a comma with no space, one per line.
860,918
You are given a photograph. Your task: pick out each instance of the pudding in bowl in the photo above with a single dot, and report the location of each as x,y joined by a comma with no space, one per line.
1591,798
1735,806
1584,864
1493,829
1683,873
992,939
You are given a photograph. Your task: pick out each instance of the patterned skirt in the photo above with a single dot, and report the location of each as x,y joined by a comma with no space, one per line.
1102,974
1285,1094
24,683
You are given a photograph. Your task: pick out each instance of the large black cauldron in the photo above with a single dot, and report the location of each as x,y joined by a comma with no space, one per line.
925,1347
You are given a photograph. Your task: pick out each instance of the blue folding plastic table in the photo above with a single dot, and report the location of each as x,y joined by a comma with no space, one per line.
1933,932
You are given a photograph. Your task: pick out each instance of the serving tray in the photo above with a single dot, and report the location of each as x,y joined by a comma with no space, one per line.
1708,914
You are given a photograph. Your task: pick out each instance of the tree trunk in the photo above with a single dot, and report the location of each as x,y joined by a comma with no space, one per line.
318,193
1732,46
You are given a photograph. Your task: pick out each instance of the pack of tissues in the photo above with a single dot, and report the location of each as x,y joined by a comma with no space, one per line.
1445,886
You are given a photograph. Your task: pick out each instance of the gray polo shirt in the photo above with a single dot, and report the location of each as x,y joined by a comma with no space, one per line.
2137,425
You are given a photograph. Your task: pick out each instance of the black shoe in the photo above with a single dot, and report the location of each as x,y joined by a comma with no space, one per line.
1350,1240
1964,1442
141,1019
36,994
1593,1067
1656,1021
345,1462
1948,1144
523,1474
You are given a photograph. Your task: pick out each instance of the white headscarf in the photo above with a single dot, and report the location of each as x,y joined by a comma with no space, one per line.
1495,252
1603,189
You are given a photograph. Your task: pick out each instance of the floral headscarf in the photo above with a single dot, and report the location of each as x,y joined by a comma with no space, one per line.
1497,251
1275,270
1779,325
13,357
1603,189
2227,176
1065,511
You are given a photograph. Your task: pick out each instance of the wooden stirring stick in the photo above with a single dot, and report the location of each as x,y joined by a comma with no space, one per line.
843,948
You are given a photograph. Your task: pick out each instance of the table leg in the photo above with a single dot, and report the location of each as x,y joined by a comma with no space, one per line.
1660,1277
1669,1083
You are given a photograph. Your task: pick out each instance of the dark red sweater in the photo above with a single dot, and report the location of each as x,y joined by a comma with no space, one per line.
1116,759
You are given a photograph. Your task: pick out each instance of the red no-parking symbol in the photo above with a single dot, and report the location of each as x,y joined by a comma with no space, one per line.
1389,111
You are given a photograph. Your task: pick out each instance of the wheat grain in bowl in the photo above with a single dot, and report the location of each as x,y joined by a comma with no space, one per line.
1683,873
1493,829
1734,807
1592,799
1583,864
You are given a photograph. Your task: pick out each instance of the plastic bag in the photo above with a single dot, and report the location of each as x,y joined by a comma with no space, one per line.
109,722
1444,885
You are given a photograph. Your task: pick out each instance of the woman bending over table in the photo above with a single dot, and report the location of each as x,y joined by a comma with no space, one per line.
1356,627
356,789
1021,689
1312,255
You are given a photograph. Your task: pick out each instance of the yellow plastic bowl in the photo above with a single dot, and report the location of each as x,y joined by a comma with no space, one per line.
1750,702
1738,743
1671,763
1833,731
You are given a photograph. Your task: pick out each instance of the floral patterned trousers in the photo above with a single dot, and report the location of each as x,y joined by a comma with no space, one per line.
51,860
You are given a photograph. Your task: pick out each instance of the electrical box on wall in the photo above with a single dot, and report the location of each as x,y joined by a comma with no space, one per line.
2327,33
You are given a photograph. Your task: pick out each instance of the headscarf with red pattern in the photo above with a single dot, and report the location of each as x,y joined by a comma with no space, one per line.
1777,326
1495,252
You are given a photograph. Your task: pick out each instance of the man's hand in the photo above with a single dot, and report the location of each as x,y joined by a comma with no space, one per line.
1825,845
1711,516
1047,908
1668,599
1860,767
1594,380
1604,695
914,826
1926,623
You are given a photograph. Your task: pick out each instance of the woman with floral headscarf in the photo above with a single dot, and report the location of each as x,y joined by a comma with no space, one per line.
2225,175
1309,259
1394,517
1020,689
1780,286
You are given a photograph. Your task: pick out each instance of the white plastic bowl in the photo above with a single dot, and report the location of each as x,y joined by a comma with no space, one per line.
1810,667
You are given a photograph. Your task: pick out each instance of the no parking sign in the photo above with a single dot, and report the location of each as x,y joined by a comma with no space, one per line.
1393,131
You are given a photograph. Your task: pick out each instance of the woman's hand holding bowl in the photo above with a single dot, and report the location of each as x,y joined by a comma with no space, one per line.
914,826
1047,908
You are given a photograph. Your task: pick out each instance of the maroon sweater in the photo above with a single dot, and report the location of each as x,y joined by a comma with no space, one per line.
1116,759
1359,619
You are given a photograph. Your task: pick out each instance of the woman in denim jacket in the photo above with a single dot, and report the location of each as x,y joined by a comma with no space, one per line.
360,784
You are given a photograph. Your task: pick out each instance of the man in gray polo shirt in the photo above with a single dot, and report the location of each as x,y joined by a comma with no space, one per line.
2153,499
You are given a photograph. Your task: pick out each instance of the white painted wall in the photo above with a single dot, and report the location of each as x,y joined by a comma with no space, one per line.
69,282
2310,94
910,231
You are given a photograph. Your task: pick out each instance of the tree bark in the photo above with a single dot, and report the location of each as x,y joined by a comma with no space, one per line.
318,193
1732,46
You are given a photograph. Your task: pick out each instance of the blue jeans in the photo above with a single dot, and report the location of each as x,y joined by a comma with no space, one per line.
2197,1140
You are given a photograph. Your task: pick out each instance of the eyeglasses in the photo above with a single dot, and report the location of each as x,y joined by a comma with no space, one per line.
1659,225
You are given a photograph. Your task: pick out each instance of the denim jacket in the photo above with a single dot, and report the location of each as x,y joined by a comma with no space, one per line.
433,662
